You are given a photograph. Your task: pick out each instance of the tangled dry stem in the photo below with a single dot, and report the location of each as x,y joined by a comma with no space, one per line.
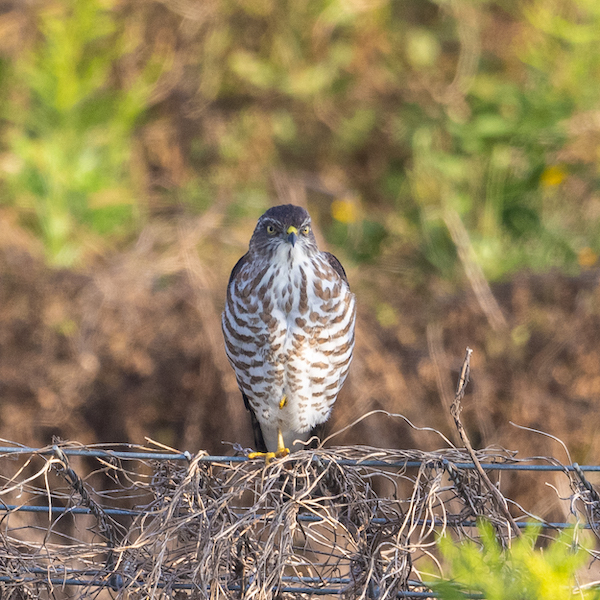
349,521
336,519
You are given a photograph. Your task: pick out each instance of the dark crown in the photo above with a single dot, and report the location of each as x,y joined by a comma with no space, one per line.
288,214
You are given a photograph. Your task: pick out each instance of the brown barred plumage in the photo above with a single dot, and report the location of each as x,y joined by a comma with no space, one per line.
288,325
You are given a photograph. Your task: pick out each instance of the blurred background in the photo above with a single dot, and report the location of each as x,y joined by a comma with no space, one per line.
447,150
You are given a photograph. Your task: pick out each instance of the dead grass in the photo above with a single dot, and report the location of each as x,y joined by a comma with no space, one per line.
354,520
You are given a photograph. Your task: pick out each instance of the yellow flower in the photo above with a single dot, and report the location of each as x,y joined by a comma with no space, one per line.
552,176
587,257
344,211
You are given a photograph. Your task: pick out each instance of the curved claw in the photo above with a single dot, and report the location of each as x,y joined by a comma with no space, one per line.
269,456
281,451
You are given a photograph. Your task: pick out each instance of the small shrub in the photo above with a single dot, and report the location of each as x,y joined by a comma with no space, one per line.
521,572
69,130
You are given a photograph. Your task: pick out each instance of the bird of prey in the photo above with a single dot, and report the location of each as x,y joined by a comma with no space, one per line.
288,326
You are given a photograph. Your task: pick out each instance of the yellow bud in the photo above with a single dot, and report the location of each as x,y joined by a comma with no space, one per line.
344,211
552,176
587,257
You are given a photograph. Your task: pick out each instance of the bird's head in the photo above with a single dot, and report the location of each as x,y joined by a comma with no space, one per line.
283,226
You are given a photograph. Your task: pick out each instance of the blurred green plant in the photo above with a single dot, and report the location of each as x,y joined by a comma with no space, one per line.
521,571
69,130
503,155
415,110
419,109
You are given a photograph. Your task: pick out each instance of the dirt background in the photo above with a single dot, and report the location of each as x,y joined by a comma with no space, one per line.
131,348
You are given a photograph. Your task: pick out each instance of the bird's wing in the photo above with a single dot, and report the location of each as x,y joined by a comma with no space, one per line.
336,265
238,266
259,441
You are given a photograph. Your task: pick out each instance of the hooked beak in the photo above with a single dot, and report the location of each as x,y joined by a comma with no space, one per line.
292,235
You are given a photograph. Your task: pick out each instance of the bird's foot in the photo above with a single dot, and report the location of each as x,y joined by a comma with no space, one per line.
281,451
281,448
269,456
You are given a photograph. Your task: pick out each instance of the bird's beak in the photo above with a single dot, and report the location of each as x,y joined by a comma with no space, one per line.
292,235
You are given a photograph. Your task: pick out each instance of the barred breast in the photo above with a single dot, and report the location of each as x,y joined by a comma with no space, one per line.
289,332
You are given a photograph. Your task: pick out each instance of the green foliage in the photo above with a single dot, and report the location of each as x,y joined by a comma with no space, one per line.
419,108
521,572
491,155
415,109
69,130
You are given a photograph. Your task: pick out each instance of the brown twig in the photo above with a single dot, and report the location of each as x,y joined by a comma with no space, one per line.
355,518
481,288
455,410
106,527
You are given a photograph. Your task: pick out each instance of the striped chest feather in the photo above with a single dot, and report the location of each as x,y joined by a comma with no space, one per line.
289,331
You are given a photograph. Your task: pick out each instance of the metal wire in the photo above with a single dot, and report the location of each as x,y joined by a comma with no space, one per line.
293,584
78,510
186,456
290,589
296,585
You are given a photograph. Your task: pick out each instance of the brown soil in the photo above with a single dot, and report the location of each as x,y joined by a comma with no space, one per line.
131,348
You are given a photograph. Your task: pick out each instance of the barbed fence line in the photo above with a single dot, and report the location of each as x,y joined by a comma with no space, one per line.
349,521
131,521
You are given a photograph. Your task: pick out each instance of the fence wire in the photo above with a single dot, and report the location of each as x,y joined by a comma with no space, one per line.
351,522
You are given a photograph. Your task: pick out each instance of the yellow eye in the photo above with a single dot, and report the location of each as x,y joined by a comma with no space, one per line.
305,230
270,229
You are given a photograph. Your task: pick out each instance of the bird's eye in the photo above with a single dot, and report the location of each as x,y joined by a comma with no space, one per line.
270,229
305,230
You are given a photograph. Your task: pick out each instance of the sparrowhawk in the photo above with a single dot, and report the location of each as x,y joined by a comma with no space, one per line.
288,325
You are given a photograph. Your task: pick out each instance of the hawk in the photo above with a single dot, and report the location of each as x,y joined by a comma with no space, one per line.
288,325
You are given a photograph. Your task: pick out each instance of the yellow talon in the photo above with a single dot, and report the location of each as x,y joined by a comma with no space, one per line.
283,401
281,452
268,456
